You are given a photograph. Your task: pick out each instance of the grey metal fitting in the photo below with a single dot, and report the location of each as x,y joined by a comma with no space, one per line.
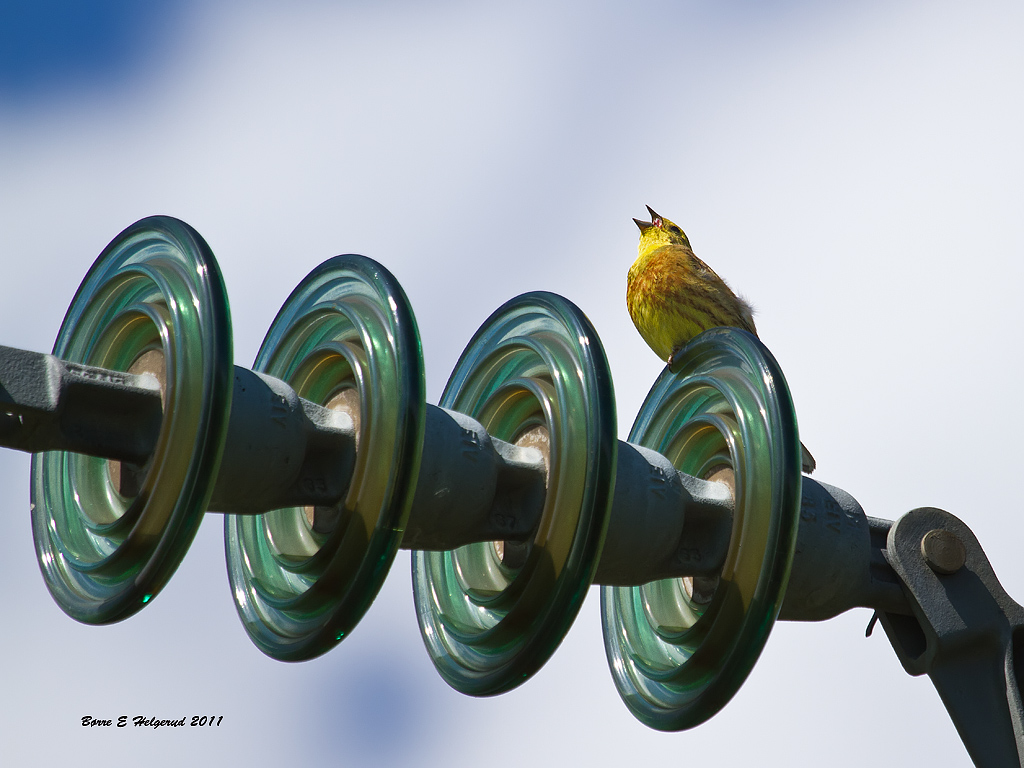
48,404
663,522
839,562
281,450
472,487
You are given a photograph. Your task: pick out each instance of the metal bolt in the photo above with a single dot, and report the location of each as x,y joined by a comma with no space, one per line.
943,551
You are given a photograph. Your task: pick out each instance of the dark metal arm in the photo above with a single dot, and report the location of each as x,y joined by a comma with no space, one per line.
938,600
965,632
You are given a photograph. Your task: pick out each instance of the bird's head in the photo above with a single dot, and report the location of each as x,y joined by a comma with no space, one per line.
659,231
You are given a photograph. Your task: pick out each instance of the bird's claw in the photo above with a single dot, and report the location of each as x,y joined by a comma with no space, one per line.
672,356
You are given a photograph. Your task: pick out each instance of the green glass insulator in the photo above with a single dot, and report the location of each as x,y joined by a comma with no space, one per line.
345,338
108,535
679,649
491,614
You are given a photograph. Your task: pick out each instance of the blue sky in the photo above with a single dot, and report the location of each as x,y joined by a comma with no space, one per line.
52,47
855,171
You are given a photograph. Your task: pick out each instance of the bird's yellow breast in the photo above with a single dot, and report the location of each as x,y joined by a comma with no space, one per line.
672,296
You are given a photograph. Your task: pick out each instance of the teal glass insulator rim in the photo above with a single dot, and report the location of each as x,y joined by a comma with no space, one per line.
105,551
535,364
346,335
678,656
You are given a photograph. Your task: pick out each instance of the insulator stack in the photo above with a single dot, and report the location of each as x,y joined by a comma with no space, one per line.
514,492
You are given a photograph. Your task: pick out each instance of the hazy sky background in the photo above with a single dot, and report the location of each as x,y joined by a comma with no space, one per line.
855,170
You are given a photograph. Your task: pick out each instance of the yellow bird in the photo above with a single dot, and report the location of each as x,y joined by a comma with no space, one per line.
673,296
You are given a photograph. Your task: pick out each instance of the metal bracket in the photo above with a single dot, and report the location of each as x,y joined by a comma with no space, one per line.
965,632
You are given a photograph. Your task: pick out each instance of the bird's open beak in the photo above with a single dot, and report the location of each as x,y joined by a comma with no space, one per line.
654,222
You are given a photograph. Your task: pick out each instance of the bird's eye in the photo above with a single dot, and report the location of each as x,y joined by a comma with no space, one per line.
675,230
